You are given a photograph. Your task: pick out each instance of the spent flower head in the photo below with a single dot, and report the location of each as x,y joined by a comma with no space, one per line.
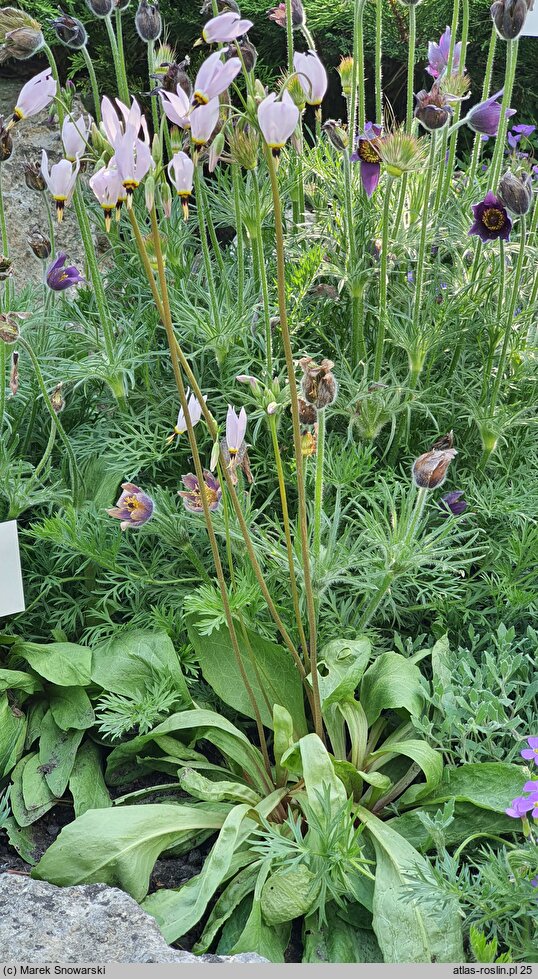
192,494
69,30
400,152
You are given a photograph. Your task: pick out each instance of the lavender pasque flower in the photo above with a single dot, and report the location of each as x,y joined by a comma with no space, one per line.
192,495
452,503
60,277
438,55
133,508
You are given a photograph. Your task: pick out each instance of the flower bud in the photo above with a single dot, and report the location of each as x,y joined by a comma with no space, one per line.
215,151
6,142
248,53
100,8
70,31
308,444
430,469
318,385
336,134
156,150
509,17
345,70
56,399
516,192
20,35
166,200
298,16
39,244
148,21
14,374
432,110
174,74
149,191
33,177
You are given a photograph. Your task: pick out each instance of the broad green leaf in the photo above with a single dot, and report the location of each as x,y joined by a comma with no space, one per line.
203,788
71,708
12,735
197,725
257,936
24,840
345,661
338,941
407,931
17,680
468,819
288,893
178,911
391,681
241,885
36,713
430,761
127,663
36,789
274,671
441,671
318,772
119,846
57,753
488,785
62,663
86,782
282,740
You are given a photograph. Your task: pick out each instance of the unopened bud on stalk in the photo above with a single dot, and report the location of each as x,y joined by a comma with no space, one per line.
296,90
148,21
170,74
39,244
215,151
156,149
6,142
56,399
430,469
248,53
149,191
14,374
509,17
100,8
336,134
318,385
166,200
432,109
33,177
308,444
345,70
70,31
516,192
20,35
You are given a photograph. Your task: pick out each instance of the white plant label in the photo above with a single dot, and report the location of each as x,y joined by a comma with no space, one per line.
531,23
11,589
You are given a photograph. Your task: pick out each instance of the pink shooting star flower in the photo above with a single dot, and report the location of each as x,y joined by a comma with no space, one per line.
133,508
36,95
203,121
225,27
75,137
195,413
192,495
133,160
236,426
60,181
277,120
181,173
132,121
107,186
214,77
312,76
176,107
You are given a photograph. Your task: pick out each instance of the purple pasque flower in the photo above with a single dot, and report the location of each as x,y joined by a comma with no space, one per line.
194,410
225,27
192,495
517,133
452,503
203,120
36,95
531,753
438,55
277,119
214,77
60,181
312,76
133,508
176,107
236,426
60,277
368,156
484,118
491,220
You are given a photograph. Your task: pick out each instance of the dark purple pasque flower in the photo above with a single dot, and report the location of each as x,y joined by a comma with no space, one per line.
484,118
491,219
133,508
438,55
517,133
368,156
452,503
531,753
432,110
59,277
192,495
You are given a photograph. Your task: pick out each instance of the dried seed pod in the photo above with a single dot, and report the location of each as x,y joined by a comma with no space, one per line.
318,385
307,412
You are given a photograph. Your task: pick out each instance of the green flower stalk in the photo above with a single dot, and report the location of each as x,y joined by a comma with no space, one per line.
510,313
382,321
357,78
477,146
457,109
509,78
378,60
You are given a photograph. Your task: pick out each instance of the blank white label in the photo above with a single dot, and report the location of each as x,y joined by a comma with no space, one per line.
531,24
11,590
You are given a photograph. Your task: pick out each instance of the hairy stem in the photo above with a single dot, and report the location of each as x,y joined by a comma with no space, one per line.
383,281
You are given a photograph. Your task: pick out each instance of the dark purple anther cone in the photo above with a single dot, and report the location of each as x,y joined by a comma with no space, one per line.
491,220
59,278
452,503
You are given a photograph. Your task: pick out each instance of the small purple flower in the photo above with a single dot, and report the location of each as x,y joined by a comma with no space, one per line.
410,276
59,278
452,503
534,882
491,219
133,508
531,753
517,133
236,426
367,155
532,788
520,806
192,495
484,118
438,55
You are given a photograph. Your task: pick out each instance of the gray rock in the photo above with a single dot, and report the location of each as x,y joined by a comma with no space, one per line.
25,209
42,923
